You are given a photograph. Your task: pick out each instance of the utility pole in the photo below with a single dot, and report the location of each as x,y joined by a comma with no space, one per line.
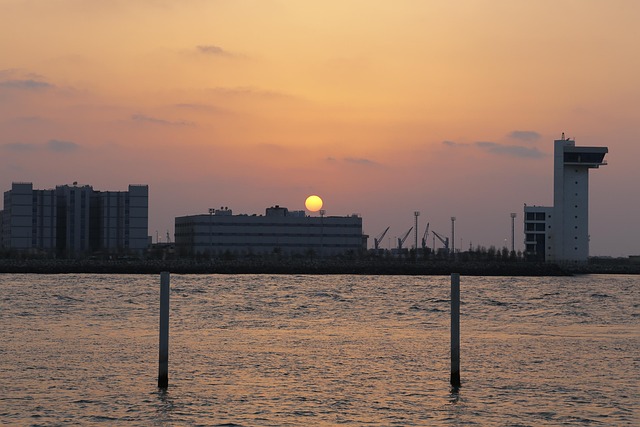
513,217
453,236
416,214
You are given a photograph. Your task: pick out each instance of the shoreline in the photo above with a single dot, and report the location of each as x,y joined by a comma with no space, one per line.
355,267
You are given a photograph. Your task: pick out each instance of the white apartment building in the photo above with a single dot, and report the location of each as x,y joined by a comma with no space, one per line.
561,233
74,220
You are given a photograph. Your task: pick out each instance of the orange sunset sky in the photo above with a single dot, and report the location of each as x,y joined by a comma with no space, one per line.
380,107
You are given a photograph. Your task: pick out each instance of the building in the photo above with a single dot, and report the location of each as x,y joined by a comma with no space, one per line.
561,233
74,220
278,231
122,220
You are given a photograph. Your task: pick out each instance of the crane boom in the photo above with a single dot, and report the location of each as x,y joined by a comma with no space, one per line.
403,238
444,240
377,240
425,236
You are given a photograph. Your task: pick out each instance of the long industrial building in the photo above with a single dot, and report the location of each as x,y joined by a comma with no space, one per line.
561,233
278,231
74,220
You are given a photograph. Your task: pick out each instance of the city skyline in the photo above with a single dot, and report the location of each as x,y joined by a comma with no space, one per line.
380,108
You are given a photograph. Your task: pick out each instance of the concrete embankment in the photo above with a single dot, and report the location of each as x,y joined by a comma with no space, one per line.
371,266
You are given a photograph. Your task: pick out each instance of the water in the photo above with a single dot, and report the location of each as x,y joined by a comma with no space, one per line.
261,350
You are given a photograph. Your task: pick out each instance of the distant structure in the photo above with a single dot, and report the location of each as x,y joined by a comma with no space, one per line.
72,221
279,231
561,233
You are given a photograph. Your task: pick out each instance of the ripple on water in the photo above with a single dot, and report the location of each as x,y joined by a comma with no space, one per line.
252,350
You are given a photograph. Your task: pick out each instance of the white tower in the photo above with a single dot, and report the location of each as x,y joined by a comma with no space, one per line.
570,222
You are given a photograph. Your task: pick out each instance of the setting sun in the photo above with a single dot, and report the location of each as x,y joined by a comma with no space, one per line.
313,203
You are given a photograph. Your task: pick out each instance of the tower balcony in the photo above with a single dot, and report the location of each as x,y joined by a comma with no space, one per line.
591,157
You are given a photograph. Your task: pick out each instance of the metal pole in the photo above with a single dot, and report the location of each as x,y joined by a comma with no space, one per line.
455,330
163,359
453,236
513,246
415,251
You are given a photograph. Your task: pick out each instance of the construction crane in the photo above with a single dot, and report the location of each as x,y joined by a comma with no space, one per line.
444,240
377,240
402,239
424,238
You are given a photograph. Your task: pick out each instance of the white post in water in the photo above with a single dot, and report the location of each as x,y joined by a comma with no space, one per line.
163,367
455,330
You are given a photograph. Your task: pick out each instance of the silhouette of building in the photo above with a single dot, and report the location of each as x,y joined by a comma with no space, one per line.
279,231
561,233
74,220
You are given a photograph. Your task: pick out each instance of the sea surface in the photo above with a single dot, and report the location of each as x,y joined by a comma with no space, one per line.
265,350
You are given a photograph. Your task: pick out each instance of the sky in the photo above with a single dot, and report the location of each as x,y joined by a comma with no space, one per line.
381,108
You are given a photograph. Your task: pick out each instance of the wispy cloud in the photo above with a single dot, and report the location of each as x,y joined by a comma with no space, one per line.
352,160
54,145
25,84
454,144
214,50
60,146
525,135
510,150
141,118
360,161
201,107
250,91
19,146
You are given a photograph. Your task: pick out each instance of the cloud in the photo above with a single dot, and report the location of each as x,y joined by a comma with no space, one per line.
510,150
25,84
61,146
453,144
360,161
214,51
141,118
525,135
201,107
19,146
353,160
250,91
